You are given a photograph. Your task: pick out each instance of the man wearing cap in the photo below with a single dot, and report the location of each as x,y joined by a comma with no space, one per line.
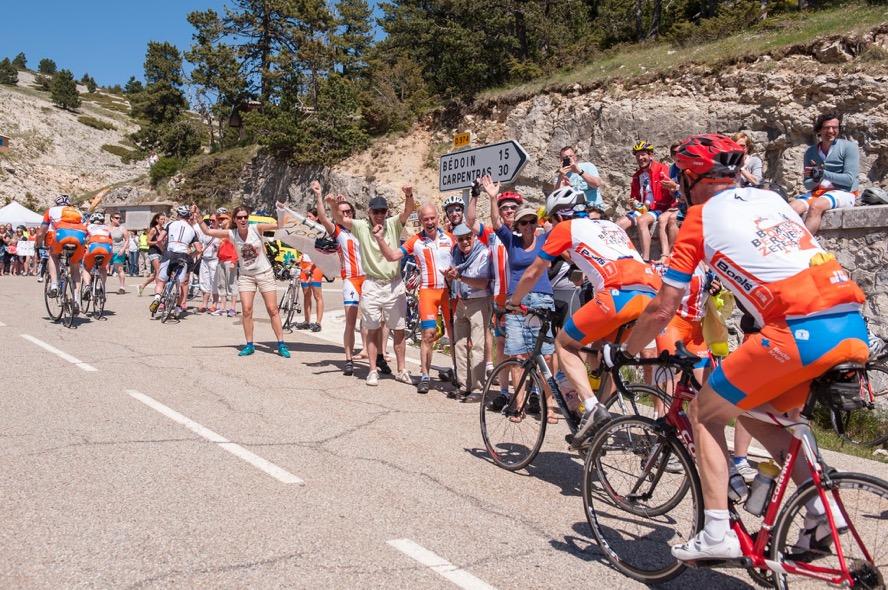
470,279
383,297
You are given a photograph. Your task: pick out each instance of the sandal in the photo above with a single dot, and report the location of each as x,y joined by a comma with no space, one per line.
517,417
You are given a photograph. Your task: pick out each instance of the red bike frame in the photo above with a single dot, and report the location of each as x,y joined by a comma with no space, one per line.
803,441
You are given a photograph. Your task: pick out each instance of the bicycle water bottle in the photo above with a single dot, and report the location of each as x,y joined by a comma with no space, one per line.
761,488
568,391
737,488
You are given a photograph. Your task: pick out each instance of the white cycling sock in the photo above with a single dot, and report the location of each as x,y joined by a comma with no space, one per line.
815,508
157,296
716,524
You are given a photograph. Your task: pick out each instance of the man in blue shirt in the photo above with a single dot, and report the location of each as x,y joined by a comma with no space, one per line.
583,176
830,172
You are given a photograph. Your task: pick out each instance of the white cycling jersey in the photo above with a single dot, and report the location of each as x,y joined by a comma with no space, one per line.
180,236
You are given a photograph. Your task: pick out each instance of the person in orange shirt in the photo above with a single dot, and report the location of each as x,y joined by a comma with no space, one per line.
63,226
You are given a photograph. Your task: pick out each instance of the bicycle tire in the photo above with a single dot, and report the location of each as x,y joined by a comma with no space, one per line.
504,451
284,309
53,304
85,305
70,303
642,556
869,427
99,301
867,521
170,298
640,397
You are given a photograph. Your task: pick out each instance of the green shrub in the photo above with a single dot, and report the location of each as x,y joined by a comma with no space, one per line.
96,123
126,156
165,168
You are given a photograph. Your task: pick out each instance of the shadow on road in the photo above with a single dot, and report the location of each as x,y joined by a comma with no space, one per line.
560,469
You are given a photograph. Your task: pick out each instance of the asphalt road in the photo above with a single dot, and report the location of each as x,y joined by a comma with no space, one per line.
156,457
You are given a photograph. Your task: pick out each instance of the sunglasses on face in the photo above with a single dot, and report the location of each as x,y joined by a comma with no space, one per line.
242,217
116,218
524,222
379,211
509,208
454,210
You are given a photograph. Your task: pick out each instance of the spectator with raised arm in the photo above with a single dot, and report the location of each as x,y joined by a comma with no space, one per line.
352,271
830,172
383,297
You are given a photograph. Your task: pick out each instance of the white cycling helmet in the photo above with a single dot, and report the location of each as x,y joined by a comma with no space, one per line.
453,200
183,211
63,200
565,201
221,211
97,218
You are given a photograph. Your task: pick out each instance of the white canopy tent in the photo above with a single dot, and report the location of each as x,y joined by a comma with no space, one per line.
17,215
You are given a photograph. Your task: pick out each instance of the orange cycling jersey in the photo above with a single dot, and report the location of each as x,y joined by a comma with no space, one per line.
349,253
433,256
763,253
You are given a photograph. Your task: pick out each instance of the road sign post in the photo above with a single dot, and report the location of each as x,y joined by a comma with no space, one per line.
502,161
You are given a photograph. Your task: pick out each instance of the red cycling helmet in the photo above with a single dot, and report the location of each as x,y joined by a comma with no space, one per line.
709,156
509,196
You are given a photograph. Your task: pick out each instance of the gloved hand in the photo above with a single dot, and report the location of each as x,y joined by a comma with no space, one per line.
613,355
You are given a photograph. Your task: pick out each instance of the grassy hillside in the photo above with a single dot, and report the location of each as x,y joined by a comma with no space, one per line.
771,36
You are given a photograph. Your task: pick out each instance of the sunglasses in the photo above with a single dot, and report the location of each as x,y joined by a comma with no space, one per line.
454,209
509,208
466,238
379,211
116,217
242,217
524,222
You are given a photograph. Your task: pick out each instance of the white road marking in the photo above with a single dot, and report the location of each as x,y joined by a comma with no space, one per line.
439,565
60,353
280,474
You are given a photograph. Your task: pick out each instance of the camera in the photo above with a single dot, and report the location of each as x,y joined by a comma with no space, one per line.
565,162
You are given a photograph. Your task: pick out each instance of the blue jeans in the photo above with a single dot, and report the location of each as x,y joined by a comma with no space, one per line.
522,331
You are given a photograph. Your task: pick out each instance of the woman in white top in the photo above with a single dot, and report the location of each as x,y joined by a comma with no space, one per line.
255,272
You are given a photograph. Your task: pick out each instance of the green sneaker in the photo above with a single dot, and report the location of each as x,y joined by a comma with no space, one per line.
283,350
247,350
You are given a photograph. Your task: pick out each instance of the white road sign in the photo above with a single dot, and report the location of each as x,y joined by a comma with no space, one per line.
502,161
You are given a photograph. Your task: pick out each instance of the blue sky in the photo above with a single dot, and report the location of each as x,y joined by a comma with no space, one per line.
106,38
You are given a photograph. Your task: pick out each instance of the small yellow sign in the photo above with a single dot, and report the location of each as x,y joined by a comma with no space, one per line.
461,140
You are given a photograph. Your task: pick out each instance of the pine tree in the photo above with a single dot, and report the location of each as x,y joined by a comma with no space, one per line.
354,36
133,86
8,73
63,90
47,67
91,85
20,62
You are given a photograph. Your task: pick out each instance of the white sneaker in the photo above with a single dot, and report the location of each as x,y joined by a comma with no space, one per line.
702,547
373,379
746,471
404,377
816,537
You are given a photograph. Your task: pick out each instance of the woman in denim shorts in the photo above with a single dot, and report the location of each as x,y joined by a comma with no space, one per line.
523,243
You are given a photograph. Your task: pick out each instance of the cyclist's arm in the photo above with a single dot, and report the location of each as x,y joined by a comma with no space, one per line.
409,204
528,279
41,233
322,212
654,318
388,252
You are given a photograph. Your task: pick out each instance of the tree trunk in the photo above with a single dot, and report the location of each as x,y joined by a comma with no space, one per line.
521,30
655,19
763,11
639,25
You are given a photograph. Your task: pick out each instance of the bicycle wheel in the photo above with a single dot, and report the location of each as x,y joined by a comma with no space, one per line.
99,301
70,305
85,303
53,304
863,503
284,308
511,434
643,400
170,298
637,506
870,427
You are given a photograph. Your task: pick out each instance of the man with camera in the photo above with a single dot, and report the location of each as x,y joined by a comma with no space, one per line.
830,172
582,176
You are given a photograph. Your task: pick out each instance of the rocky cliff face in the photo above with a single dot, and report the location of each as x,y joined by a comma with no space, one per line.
52,152
774,98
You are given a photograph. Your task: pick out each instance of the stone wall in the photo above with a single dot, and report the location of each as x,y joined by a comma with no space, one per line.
859,239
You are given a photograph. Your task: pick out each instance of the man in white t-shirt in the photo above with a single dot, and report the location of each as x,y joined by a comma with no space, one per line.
209,261
180,237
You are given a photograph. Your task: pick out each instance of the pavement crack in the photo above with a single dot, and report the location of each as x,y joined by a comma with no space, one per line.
247,565
89,443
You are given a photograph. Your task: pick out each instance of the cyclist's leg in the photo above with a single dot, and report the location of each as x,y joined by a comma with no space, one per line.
351,298
53,269
429,303
184,278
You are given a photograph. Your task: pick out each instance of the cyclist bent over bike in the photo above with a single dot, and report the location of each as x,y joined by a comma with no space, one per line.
62,225
623,283
807,306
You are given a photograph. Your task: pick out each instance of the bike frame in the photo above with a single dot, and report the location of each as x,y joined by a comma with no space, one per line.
804,443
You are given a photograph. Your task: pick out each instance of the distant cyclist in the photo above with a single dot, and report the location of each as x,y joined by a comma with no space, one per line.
180,236
99,245
805,303
62,226
624,285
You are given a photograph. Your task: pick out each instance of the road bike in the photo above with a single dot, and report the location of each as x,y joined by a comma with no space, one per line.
169,298
866,427
638,507
513,410
64,306
93,295
290,305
